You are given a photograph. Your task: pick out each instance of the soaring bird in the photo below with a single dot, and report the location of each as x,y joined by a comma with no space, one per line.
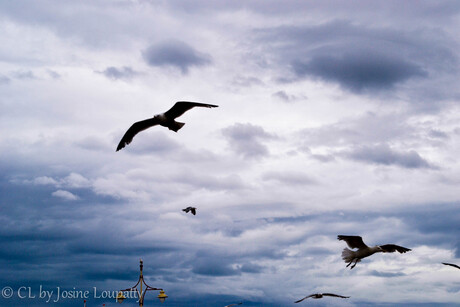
166,119
320,295
191,209
451,264
233,304
365,251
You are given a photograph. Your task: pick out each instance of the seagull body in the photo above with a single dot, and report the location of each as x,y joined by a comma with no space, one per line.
233,304
191,209
364,251
320,295
451,264
166,119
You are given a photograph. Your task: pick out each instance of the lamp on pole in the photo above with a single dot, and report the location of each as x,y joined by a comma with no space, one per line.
141,293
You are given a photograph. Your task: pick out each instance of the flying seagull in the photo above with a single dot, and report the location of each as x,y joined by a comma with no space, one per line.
320,295
233,304
166,119
191,209
364,250
451,264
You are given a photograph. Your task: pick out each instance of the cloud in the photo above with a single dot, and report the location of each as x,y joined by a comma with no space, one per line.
176,54
383,154
4,80
360,70
363,59
23,75
284,96
53,74
246,140
123,73
291,178
66,195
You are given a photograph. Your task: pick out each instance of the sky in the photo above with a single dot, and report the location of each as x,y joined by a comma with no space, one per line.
334,118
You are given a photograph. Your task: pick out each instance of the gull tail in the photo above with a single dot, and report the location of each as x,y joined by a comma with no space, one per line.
348,255
175,126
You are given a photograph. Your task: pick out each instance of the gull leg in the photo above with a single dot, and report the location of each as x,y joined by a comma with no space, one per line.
356,261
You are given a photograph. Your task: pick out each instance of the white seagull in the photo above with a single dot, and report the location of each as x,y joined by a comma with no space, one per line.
320,295
233,304
451,264
191,209
166,119
365,251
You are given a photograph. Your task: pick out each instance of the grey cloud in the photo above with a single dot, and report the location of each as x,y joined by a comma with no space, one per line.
363,59
243,81
93,143
296,178
246,140
4,80
284,96
22,75
367,129
383,154
53,74
176,54
123,73
359,70
152,141
386,274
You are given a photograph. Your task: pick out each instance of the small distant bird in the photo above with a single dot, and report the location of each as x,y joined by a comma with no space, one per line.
451,264
191,209
320,295
233,304
365,251
166,119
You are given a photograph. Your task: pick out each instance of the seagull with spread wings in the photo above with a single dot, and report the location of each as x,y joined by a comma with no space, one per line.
364,251
320,295
191,209
166,119
451,264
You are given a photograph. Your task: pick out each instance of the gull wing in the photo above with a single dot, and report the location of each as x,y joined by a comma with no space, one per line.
193,211
304,298
181,107
451,264
353,241
335,295
135,129
233,304
391,248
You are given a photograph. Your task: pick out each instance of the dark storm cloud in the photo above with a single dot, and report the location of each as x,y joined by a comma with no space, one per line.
176,54
214,264
360,58
360,70
383,154
122,73
246,140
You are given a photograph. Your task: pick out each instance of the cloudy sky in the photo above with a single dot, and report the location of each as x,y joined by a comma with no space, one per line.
334,118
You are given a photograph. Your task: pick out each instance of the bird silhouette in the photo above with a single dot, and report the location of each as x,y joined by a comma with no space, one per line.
451,264
166,119
364,251
320,295
191,209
